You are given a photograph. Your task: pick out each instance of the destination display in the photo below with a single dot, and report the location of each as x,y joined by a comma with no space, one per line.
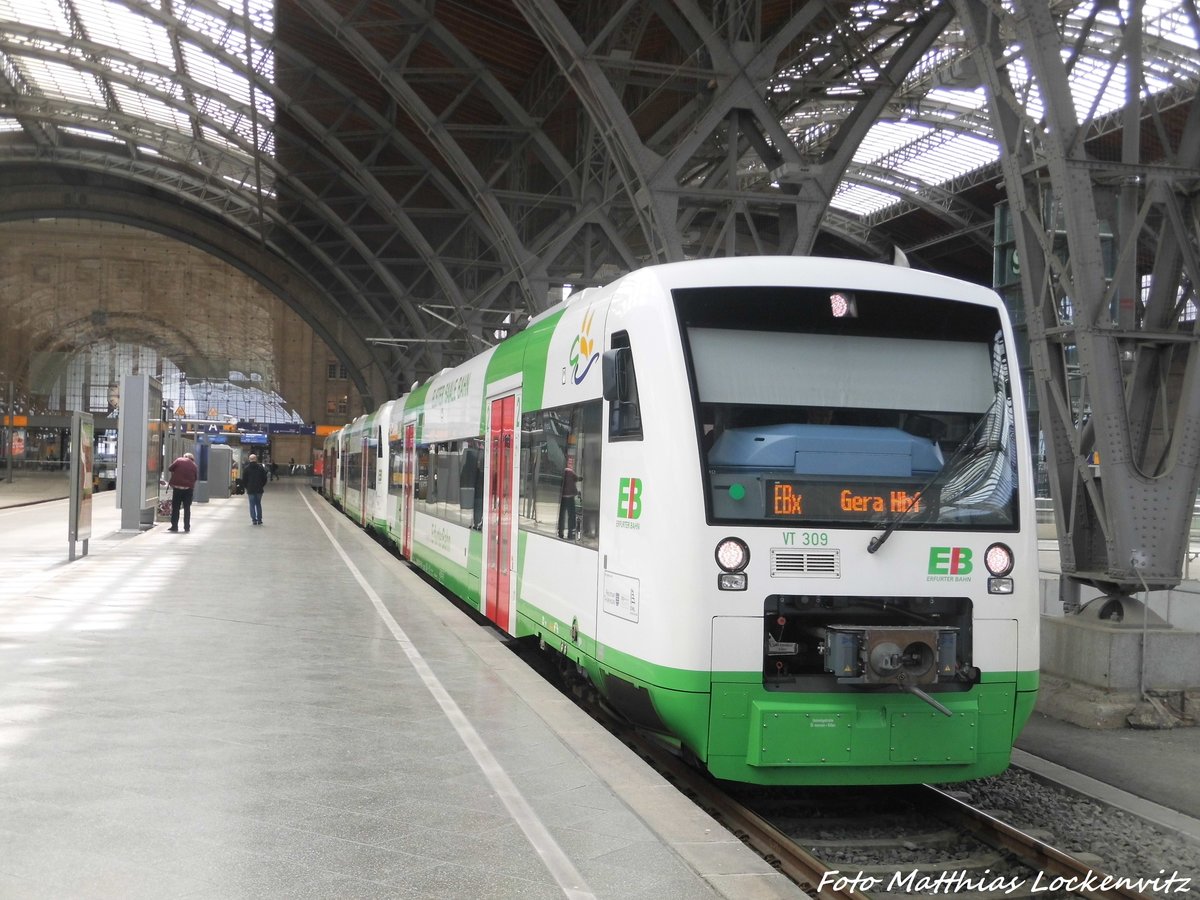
843,501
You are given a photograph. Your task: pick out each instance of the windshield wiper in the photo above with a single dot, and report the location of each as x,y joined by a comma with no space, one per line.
950,468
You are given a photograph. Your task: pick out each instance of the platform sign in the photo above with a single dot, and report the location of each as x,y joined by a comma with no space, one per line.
79,525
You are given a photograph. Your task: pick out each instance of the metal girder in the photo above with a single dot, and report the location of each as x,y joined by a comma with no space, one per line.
933,199
686,182
631,160
179,155
659,129
523,263
1122,521
13,85
361,177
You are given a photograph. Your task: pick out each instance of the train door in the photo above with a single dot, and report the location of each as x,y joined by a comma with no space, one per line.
380,464
343,447
500,524
409,492
364,468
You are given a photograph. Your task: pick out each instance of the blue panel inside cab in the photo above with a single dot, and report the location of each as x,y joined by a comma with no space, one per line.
826,450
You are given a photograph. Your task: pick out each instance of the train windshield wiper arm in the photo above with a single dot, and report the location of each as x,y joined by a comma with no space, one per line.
941,474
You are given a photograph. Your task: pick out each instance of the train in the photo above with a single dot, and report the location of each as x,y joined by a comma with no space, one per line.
777,511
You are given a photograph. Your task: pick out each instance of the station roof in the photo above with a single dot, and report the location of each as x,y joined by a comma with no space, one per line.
416,161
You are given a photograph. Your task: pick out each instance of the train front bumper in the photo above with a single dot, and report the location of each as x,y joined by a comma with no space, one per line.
861,737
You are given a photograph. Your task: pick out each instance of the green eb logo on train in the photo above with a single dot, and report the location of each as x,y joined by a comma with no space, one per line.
629,498
950,561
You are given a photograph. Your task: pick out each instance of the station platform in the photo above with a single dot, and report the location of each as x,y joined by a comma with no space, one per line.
1151,773
290,711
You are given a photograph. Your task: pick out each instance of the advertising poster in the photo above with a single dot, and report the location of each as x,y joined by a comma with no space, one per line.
87,435
79,519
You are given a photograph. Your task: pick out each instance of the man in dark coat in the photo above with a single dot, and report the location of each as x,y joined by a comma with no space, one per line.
183,482
254,477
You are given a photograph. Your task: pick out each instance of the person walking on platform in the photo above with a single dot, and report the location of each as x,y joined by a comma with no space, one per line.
183,482
254,477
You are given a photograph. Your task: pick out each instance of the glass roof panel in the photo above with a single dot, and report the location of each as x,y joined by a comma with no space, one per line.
57,80
93,134
212,72
218,140
860,199
888,136
216,86
40,14
118,26
137,103
944,135
205,23
954,152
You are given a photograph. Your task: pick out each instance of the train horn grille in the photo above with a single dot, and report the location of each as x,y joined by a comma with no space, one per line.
806,564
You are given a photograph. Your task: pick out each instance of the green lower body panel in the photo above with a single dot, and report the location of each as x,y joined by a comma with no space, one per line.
740,731
458,578
860,738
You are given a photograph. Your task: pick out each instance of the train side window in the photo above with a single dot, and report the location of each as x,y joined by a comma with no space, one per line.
620,390
552,441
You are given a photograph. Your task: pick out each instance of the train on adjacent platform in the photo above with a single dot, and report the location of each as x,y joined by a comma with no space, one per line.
778,510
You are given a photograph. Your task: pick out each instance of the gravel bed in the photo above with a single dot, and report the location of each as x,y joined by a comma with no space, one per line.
1126,845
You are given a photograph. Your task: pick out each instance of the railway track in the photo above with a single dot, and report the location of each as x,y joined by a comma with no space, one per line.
948,848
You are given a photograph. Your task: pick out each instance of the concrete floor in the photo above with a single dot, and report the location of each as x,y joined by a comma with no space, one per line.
288,711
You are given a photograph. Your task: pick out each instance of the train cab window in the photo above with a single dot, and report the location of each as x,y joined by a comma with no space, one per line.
621,391
914,430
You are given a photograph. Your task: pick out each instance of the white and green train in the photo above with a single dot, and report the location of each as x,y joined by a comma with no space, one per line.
778,510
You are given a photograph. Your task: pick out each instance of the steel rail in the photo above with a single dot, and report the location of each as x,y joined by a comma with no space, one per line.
768,841
1084,880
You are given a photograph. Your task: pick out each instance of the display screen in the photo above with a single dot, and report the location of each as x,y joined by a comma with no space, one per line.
844,501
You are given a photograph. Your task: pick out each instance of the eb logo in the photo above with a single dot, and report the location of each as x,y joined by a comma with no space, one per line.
950,561
629,499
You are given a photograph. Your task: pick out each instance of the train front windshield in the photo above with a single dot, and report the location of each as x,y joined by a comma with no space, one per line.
828,408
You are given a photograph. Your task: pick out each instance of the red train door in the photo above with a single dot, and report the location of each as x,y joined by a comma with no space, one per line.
362,480
408,494
502,459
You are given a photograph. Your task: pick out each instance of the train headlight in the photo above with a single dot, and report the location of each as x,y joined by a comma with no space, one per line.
998,559
999,562
842,305
732,555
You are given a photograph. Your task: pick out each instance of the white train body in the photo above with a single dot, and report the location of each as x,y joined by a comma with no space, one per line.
799,654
